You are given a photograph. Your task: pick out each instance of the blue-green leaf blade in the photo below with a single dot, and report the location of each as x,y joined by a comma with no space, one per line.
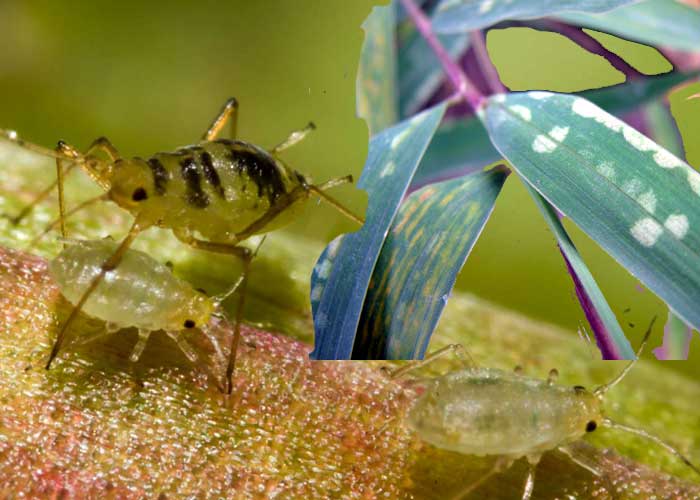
430,240
637,200
654,22
420,71
342,274
607,330
377,95
458,16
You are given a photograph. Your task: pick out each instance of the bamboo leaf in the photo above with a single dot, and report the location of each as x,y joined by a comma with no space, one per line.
458,16
428,244
376,73
341,276
637,200
654,22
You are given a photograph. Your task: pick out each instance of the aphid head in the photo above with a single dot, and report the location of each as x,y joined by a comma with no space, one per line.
195,313
131,184
588,413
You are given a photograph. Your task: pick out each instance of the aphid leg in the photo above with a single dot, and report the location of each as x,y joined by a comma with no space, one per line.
107,266
63,149
140,345
184,346
294,138
455,349
499,465
585,462
38,199
246,256
70,212
532,461
229,112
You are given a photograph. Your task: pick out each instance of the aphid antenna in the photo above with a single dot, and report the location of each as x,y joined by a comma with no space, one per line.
220,298
600,391
12,136
319,191
57,221
641,432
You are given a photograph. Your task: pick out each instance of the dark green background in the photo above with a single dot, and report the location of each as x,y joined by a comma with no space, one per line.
151,76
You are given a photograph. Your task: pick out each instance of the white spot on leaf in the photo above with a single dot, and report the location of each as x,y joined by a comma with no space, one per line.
388,169
666,160
316,292
632,187
677,224
400,137
646,231
559,133
648,201
539,95
498,98
638,140
607,170
587,109
522,111
543,144
486,5
694,180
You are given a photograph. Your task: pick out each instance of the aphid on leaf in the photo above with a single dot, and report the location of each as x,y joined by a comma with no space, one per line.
141,292
490,412
213,195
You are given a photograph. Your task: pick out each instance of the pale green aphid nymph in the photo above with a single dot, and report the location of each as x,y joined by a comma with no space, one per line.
490,412
141,293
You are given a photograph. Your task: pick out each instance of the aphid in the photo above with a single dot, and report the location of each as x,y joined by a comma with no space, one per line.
212,195
140,293
490,412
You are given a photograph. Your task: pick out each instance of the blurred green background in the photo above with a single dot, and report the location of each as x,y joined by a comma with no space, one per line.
151,76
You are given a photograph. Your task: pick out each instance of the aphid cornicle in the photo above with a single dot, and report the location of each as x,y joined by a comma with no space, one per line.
212,195
490,412
141,292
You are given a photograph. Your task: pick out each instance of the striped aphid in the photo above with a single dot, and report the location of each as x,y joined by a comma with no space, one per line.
490,412
213,195
141,293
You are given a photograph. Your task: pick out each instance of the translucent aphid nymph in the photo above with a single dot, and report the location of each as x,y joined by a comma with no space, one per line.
490,412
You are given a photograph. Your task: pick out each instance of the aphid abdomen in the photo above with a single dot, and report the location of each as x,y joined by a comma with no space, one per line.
140,293
218,188
491,412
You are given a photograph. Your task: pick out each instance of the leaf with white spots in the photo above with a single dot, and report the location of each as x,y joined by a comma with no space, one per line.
420,72
637,200
376,74
463,146
428,243
342,274
656,22
459,16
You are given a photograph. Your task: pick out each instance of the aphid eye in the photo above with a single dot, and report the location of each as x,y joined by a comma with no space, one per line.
139,194
188,323
591,426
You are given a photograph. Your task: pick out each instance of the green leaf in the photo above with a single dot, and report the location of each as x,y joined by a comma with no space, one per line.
420,71
655,22
376,74
459,147
428,244
342,274
609,335
637,200
458,16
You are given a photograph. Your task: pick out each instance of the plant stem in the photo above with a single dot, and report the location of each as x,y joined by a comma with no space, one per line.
478,42
587,42
465,88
